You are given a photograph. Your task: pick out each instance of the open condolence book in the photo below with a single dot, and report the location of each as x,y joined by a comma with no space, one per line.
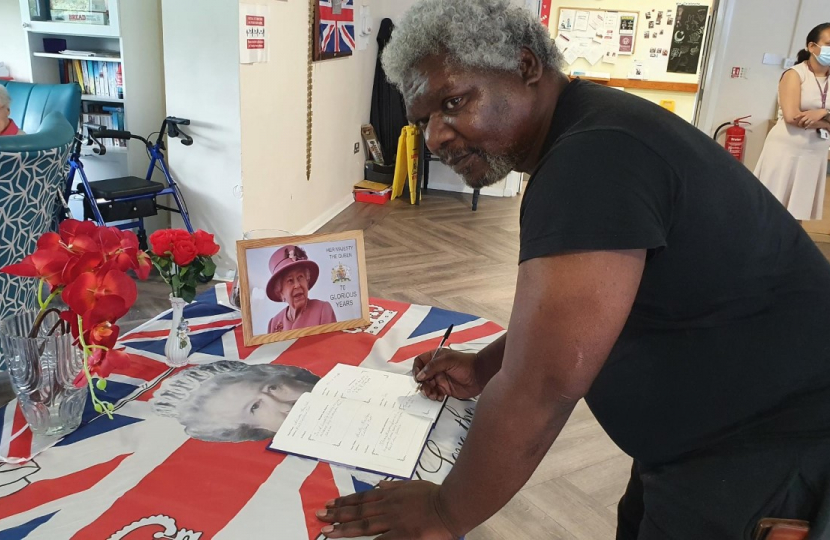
361,418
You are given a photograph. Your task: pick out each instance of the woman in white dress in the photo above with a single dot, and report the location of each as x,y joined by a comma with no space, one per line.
793,164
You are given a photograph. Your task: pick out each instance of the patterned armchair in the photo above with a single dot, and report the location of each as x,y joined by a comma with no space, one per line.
32,173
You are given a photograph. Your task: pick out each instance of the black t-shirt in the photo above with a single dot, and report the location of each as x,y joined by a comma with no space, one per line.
729,335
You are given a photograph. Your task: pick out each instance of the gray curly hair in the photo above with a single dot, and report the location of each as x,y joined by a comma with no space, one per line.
182,396
485,34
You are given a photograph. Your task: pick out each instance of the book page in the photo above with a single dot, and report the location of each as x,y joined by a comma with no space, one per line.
378,388
351,433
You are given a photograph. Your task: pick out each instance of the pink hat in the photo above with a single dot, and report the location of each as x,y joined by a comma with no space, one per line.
284,259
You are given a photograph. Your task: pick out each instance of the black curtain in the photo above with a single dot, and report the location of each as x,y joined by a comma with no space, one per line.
388,114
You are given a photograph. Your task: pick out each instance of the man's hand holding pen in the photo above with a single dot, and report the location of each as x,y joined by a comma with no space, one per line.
447,373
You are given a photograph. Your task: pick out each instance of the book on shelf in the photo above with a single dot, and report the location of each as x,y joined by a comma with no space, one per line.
96,78
105,116
361,418
82,17
89,54
79,5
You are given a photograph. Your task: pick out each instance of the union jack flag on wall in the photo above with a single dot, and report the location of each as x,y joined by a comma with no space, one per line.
335,29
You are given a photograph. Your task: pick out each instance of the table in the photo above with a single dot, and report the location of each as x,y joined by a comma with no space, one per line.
140,474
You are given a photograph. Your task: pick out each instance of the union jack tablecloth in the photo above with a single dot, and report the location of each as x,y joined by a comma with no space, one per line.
140,476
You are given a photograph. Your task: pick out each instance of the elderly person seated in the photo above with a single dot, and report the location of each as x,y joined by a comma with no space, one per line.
292,275
7,125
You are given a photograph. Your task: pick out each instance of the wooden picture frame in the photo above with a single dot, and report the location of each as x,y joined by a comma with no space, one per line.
340,279
343,49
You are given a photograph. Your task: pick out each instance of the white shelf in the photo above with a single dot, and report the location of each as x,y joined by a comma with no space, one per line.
73,57
104,99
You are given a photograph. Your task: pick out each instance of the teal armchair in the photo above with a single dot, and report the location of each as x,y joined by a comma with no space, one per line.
32,174
32,103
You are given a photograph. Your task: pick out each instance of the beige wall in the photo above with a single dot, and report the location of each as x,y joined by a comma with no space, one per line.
273,98
13,49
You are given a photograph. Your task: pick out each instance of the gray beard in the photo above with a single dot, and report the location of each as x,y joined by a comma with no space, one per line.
498,167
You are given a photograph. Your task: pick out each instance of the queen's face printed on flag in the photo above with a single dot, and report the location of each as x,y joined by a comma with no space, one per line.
231,401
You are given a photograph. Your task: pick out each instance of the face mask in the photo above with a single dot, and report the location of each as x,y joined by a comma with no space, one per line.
824,57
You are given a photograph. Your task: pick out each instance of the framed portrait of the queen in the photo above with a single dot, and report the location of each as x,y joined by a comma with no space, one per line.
302,285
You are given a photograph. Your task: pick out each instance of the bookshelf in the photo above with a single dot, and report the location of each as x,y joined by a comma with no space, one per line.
126,34
61,56
101,99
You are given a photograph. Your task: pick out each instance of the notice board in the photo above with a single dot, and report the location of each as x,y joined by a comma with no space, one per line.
595,34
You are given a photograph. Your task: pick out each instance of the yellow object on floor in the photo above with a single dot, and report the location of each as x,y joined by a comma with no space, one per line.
407,163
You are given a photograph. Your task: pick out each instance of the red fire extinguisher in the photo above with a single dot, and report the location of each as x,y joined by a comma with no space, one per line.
735,142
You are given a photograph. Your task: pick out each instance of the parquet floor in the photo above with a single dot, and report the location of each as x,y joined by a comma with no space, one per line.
443,254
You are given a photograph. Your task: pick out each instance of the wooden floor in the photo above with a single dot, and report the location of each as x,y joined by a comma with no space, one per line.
442,254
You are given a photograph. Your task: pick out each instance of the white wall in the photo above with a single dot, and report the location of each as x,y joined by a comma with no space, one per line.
273,97
737,44
812,13
201,67
13,47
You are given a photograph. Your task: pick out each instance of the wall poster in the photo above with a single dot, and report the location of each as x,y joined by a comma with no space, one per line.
687,39
254,20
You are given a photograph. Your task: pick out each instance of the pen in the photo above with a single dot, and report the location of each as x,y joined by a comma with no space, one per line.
440,346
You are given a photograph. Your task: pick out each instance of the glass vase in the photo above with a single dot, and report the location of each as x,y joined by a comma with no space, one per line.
42,370
178,345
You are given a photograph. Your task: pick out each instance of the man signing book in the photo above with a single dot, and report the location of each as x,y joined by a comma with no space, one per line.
658,280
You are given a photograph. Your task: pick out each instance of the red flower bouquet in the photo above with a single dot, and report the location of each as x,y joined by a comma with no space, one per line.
182,258
87,267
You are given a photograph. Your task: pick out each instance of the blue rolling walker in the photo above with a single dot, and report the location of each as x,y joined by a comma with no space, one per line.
128,199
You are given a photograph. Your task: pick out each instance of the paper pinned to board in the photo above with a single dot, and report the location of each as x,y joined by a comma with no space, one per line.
566,19
594,54
609,55
563,41
581,21
596,20
570,55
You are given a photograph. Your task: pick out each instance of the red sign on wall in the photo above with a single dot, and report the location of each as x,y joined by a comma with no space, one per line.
545,14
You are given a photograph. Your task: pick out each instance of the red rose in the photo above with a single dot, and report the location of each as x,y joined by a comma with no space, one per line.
161,242
179,235
205,244
184,252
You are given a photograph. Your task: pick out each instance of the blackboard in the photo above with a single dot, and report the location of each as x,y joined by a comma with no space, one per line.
687,39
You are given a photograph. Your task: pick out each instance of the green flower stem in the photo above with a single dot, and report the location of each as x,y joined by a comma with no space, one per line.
162,272
51,297
44,308
104,406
